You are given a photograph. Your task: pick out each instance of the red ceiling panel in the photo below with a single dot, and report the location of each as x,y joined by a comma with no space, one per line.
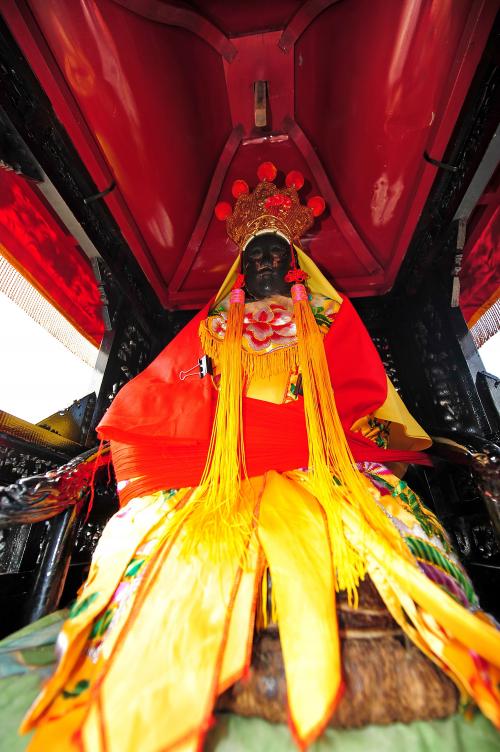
155,98
240,18
371,88
160,97
480,275
219,251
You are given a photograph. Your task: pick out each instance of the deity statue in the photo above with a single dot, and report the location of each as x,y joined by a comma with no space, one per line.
257,498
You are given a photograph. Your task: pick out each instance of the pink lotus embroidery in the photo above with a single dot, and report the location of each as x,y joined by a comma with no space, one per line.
269,325
264,326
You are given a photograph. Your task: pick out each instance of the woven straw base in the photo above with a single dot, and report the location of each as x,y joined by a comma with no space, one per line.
387,679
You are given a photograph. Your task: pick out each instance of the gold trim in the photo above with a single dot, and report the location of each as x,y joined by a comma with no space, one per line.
22,429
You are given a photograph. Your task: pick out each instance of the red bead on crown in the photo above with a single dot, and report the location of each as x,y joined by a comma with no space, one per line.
269,207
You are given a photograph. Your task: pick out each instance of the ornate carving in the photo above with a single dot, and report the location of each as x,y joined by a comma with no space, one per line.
449,386
39,437
486,466
13,152
87,540
16,463
40,497
132,356
475,480
384,350
474,539
375,313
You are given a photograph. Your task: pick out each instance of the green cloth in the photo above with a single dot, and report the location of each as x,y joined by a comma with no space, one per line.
27,658
16,695
454,734
32,646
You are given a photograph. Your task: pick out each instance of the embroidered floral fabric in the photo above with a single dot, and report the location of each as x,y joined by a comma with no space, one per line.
376,430
422,533
268,323
420,529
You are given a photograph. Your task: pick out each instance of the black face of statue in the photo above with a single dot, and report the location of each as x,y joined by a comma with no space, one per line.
266,260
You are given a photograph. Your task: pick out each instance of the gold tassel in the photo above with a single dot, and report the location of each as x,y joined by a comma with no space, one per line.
214,514
335,479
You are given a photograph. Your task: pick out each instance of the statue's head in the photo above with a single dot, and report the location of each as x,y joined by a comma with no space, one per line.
265,262
260,223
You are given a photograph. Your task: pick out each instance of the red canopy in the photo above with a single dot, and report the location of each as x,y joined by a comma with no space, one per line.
33,240
480,277
158,98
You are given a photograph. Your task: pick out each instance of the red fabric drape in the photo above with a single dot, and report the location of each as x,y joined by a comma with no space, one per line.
480,276
45,254
160,426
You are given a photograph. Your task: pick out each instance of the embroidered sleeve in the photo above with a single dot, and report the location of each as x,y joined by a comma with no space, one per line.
376,430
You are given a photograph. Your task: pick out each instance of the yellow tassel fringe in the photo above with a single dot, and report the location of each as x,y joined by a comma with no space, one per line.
259,365
214,513
330,455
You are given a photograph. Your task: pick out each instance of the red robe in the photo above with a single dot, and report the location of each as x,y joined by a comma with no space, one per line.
160,426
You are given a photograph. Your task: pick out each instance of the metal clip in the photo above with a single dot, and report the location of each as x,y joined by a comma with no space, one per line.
202,368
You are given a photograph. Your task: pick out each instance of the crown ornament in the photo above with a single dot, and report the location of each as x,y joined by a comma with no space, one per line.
269,208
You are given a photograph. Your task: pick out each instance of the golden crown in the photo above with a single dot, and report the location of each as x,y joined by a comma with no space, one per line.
269,207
